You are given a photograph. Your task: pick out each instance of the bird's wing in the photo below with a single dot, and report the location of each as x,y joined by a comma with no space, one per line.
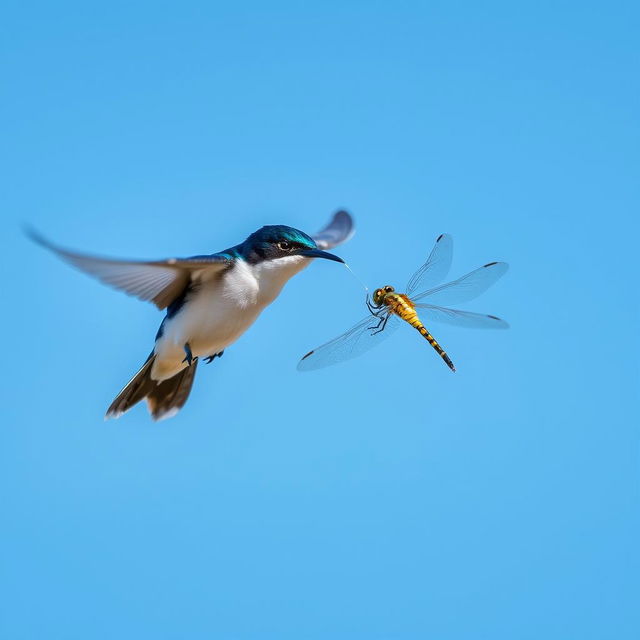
339,230
159,281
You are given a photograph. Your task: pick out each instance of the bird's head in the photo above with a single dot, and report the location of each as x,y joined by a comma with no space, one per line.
283,245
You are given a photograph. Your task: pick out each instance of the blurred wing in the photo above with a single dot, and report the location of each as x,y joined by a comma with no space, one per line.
436,268
339,230
351,344
460,318
160,282
467,287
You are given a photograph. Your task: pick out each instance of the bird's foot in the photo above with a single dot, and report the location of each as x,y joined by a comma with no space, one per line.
189,356
210,359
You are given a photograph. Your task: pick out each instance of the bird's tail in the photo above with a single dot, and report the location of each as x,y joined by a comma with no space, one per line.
164,399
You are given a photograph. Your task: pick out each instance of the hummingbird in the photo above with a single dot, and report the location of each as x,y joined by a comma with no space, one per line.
210,301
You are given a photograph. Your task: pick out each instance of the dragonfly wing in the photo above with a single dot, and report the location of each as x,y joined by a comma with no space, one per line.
436,268
458,318
467,287
360,338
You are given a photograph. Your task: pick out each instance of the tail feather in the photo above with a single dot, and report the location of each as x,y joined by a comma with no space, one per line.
164,399
169,396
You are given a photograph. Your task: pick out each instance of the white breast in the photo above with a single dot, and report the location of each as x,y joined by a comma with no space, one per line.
272,275
220,310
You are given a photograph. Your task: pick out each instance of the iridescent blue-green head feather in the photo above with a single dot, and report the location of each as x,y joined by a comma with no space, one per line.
273,242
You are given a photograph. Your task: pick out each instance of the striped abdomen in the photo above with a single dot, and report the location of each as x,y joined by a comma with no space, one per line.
402,306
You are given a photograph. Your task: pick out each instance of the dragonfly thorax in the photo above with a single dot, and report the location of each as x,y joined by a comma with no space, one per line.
380,294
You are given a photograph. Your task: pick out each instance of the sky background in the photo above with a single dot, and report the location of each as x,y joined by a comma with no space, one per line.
501,502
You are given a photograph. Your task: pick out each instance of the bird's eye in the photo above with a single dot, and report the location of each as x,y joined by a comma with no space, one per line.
284,245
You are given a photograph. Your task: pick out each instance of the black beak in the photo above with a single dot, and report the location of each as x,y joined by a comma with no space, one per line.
319,253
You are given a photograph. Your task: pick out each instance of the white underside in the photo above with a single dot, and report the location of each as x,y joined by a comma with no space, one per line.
220,310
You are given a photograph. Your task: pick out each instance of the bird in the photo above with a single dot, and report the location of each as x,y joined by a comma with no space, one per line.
210,301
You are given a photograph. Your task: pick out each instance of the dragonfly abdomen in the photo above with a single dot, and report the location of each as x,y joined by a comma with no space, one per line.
405,309
432,341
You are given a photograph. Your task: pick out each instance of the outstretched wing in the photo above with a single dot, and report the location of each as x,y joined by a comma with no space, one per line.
339,230
467,287
436,268
360,338
160,281
458,318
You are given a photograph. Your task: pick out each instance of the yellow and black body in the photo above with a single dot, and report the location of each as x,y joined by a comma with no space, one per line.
401,305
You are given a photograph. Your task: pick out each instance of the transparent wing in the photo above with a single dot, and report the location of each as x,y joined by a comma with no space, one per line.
460,318
436,268
356,341
339,230
159,281
467,287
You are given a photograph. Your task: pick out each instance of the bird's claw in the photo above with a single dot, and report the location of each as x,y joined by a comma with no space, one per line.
210,359
189,356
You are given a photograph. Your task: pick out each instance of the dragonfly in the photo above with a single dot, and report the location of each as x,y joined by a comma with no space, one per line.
388,308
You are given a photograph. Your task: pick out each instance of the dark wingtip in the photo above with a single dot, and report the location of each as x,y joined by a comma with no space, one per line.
503,323
33,234
307,355
490,264
344,217
440,237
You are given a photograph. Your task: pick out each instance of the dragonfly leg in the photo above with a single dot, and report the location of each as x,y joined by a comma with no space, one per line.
376,310
382,323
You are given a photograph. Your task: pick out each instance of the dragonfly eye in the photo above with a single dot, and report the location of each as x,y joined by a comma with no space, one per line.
388,289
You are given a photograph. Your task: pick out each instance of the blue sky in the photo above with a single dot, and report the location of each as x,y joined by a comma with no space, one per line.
353,502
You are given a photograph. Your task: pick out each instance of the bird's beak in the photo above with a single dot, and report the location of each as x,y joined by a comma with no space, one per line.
319,253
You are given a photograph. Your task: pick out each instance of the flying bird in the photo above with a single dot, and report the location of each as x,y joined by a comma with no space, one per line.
210,301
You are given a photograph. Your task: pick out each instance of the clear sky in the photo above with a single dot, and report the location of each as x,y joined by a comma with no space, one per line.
501,502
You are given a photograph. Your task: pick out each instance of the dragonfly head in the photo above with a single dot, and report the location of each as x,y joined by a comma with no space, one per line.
380,294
